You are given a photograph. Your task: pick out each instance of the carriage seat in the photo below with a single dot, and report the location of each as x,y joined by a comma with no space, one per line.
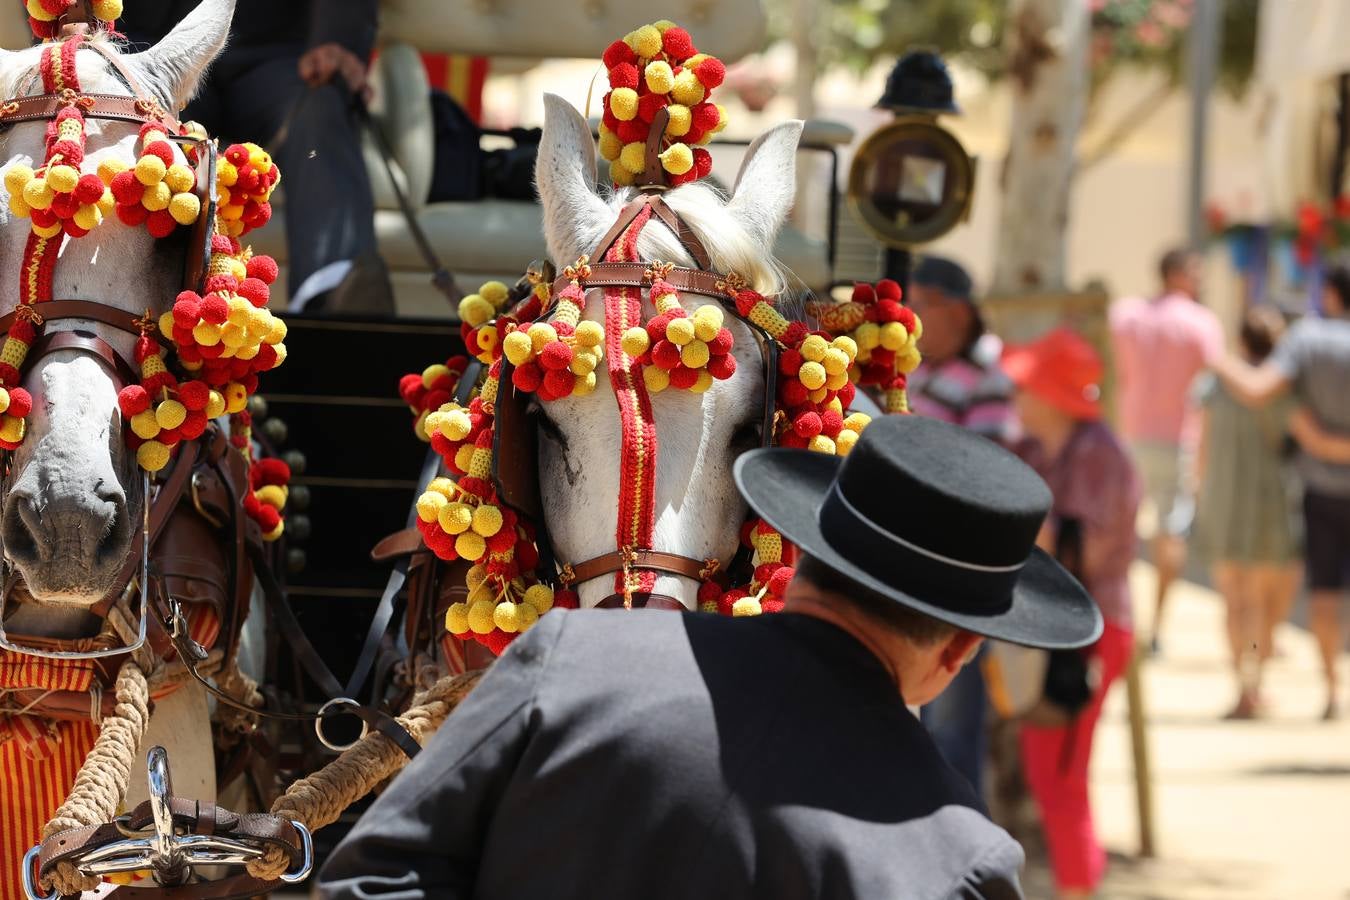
485,239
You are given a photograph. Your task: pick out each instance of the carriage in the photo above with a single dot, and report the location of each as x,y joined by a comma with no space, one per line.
138,598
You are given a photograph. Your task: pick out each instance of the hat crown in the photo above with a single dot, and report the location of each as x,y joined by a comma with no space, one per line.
949,492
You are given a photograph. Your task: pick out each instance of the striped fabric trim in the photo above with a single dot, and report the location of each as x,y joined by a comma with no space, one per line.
18,670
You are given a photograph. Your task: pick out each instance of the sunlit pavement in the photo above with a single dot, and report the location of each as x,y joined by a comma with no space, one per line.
1241,809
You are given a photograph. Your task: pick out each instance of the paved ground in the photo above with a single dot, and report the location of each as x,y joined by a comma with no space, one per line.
1243,810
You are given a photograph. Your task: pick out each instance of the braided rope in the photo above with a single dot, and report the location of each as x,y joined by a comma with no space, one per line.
102,781
318,800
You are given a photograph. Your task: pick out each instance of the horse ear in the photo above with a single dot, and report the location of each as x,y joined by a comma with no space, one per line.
173,68
574,215
767,183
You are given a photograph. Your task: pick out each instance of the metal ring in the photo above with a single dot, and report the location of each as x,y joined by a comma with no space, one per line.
306,856
319,719
32,887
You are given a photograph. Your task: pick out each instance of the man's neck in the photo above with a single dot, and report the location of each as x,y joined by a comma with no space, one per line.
889,650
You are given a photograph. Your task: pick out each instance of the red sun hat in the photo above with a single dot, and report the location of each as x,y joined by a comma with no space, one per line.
1061,368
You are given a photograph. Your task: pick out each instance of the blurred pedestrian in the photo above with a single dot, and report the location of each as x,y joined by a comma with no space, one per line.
959,382
290,78
1244,528
1160,345
1313,360
1091,530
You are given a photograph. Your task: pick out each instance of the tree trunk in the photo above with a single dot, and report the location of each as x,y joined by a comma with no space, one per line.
1047,46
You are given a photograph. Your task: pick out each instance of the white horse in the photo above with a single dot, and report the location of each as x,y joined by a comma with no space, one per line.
698,510
75,499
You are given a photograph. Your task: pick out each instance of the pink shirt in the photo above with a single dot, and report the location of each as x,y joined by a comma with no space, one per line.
1160,346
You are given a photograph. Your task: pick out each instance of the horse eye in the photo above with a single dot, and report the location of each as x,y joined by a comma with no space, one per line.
547,427
748,435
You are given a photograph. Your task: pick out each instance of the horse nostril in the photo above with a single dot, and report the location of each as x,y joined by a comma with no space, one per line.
112,518
20,529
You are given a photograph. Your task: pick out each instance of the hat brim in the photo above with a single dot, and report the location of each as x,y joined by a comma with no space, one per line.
1049,609
1022,366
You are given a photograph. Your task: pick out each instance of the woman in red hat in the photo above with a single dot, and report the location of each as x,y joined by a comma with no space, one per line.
1091,530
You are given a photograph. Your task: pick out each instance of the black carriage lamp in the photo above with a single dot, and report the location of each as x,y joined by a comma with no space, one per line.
912,181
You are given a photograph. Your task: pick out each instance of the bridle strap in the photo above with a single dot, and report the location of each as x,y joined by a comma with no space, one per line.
636,274
56,310
92,344
640,559
683,232
117,107
642,600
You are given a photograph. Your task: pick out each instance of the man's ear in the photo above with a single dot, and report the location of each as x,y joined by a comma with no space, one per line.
960,649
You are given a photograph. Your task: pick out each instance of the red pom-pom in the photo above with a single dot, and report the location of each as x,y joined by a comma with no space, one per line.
711,72
722,367
683,377
65,205
43,218
555,356
665,355
650,104
864,293
722,343
656,328
560,383
807,424
793,393
794,334
780,579
237,154
255,291
527,556
263,268
677,44
74,230
703,163
215,309
728,600
269,470
193,426
162,149
194,395
126,189
89,189
789,362
888,310
888,289
160,223
187,309
221,243
20,403
528,377
617,53
705,116
624,75
906,318
408,386
634,131
846,394
133,400
831,423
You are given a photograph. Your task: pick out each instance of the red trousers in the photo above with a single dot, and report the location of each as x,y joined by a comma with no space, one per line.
1055,762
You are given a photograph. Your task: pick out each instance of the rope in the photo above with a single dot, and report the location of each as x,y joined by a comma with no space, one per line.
318,800
102,781
243,689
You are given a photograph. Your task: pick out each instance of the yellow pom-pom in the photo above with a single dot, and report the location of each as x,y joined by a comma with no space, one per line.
152,456
16,176
506,618
185,208
635,342
721,119
857,421
813,348
702,382
908,361
4,400
746,606
470,546
680,121
236,398
706,327
273,495
585,385
170,414
541,335
836,361
474,310
518,348
847,345
610,145
659,76
845,441
687,89
206,333
50,231
457,619
110,168
677,159
63,179
623,102
812,375
145,424
620,175
527,614
88,216
12,429
655,378
821,444
455,425
18,206
443,486
480,617
215,405
646,41
584,363
487,520
590,334
539,596
464,458
893,336
150,170
836,380
475,577
106,204
107,10
37,194
156,197
680,331
633,157
179,178
429,506
695,354
455,518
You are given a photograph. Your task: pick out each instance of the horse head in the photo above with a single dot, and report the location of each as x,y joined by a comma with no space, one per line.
74,494
698,512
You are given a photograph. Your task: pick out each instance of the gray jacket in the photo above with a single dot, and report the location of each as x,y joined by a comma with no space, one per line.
652,755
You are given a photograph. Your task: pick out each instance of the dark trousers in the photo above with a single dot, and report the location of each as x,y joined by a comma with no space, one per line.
250,95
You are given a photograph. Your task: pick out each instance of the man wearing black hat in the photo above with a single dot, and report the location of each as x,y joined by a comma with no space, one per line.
649,755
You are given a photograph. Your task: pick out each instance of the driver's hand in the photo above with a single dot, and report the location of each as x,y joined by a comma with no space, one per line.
319,66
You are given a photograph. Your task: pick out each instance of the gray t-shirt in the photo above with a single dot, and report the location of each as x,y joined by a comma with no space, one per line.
1315,356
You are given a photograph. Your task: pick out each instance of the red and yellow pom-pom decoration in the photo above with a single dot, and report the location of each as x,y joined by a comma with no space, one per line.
245,180
427,391
44,15
56,197
269,481
557,358
477,315
160,412
657,67
886,334
679,350
157,192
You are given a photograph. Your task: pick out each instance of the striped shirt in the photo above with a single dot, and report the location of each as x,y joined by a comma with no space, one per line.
965,393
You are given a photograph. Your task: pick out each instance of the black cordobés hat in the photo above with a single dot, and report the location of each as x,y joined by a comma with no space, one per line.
946,275
933,517
919,81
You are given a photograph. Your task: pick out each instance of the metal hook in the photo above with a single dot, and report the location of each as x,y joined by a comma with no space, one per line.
167,859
